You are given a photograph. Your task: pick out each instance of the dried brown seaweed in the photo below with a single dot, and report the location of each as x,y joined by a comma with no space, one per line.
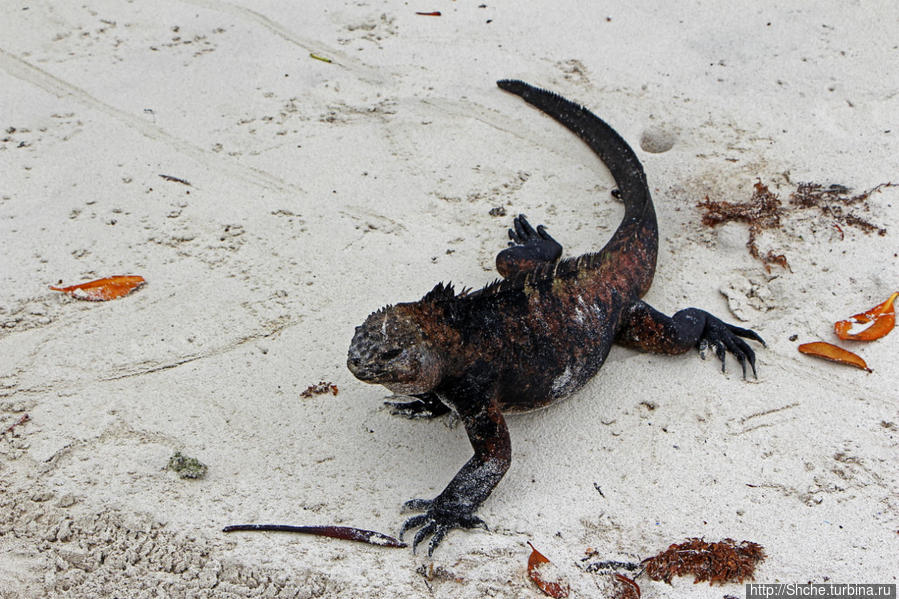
320,388
762,211
834,201
724,561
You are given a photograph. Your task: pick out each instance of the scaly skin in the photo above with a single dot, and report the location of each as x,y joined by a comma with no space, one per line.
534,337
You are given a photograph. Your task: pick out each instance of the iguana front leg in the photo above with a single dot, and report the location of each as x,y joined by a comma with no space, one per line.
455,507
528,248
643,327
425,405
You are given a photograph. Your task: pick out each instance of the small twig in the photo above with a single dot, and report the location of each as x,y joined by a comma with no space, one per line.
176,180
25,418
335,532
435,13
321,58
611,565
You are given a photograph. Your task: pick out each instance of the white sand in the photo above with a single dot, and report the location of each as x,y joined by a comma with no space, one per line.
323,191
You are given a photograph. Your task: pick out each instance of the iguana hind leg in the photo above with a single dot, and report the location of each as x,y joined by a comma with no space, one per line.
528,249
643,327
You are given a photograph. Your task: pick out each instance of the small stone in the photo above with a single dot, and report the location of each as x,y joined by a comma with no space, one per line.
187,467
65,531
657,141
67,500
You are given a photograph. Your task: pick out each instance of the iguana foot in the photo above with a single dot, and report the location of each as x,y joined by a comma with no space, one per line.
541,244
528,248
644,327
426,405
437,521
724,337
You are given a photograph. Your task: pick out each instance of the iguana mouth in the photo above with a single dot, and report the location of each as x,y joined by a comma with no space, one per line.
357,367
364,370
399,380
362,366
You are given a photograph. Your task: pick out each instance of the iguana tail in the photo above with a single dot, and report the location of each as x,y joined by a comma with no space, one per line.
615,153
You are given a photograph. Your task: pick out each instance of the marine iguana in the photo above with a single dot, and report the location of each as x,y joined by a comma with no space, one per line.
534,336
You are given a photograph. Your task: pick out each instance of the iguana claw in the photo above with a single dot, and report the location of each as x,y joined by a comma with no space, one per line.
436,522
725,338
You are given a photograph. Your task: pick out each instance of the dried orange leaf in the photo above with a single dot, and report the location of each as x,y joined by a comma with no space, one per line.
627,587
870,325
831,352
544,575
102,290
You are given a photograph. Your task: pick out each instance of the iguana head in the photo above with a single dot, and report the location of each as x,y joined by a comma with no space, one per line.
390,348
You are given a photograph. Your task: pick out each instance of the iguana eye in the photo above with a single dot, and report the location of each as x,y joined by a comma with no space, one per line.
391,354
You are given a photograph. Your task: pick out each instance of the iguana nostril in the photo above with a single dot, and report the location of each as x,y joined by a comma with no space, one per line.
389,355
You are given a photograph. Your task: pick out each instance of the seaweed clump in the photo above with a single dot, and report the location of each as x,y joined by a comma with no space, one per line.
320,388
762,211
724,561
834,201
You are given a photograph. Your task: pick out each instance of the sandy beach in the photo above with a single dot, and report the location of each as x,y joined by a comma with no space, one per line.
277,171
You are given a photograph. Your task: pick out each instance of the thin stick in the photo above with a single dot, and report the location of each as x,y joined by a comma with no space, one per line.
336,532
25,418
